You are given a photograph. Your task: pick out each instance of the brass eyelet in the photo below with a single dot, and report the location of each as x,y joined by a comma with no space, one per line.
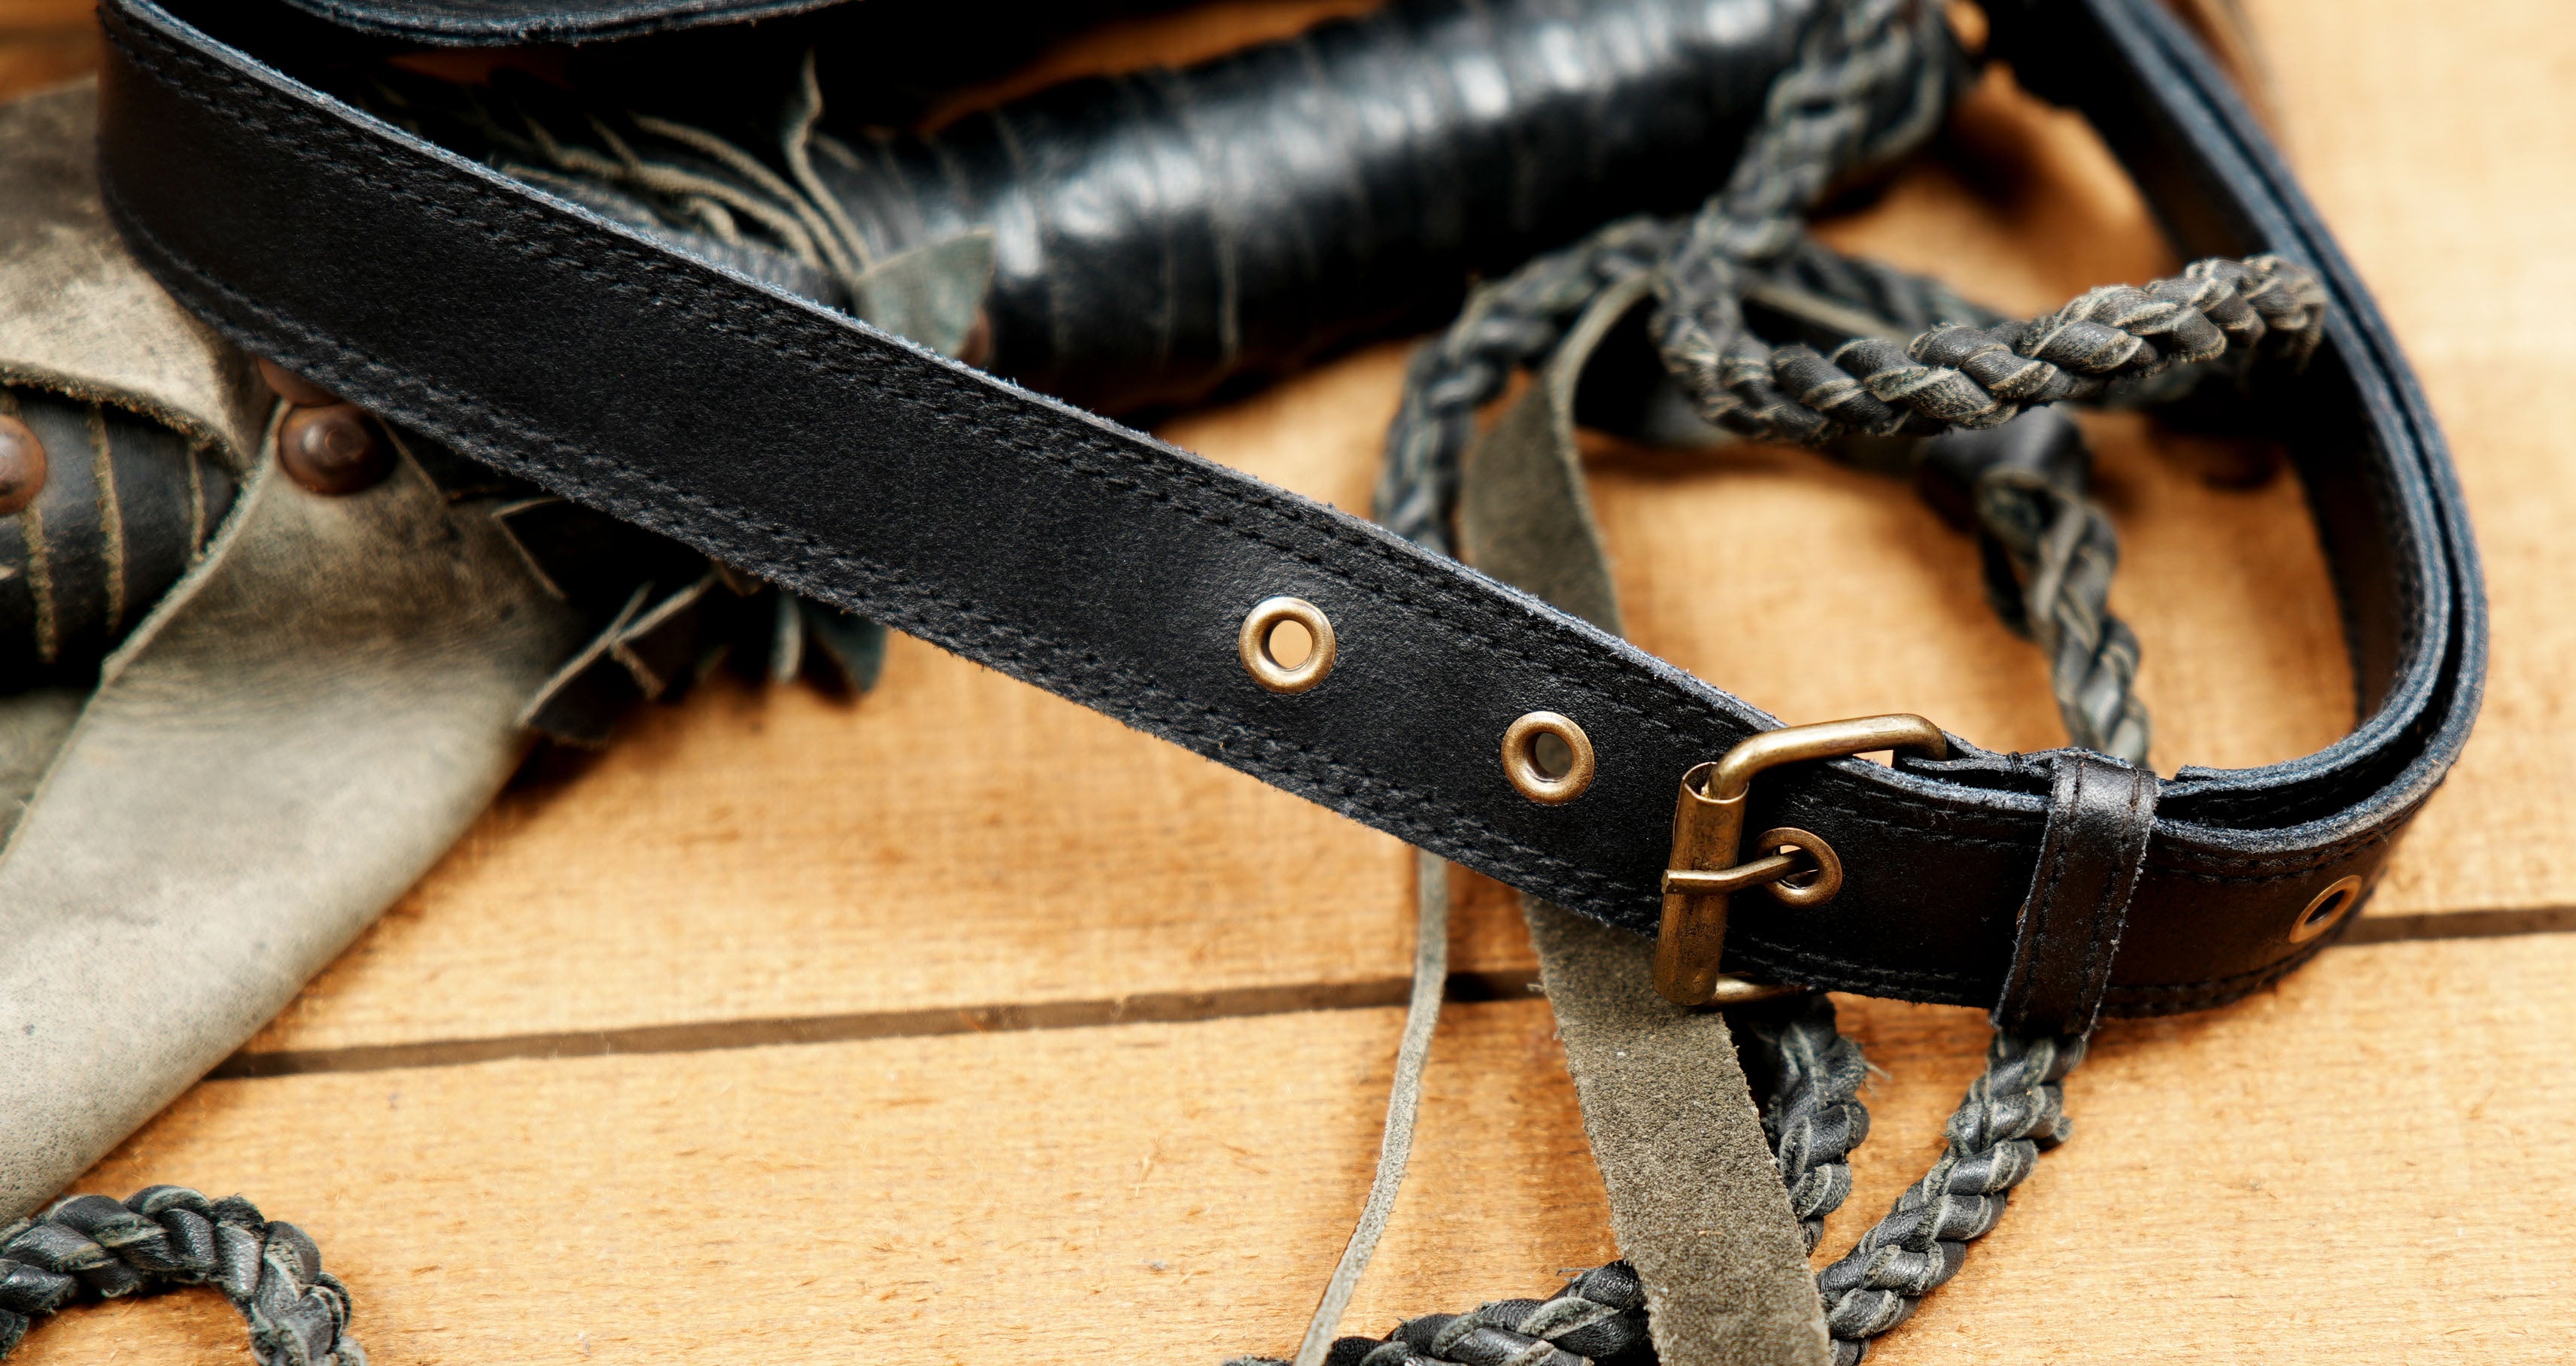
1521,765
2327,909
1253,644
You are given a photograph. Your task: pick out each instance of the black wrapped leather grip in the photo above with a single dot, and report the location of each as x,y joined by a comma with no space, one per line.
1115,570
1160,232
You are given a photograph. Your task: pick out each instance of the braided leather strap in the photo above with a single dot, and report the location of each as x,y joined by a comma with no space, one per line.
91,1247
1961,375
1814,1115
1600,1316
2054,586
2011,1114
2013,1111
1513,323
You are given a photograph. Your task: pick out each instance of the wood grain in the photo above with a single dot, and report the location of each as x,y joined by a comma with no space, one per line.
2442,152
44,43
2361,1166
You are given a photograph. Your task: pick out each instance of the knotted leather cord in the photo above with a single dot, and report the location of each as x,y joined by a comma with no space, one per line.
89,1247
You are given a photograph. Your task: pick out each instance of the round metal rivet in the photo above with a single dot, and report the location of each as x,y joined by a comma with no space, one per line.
2327,910
22,466
1521,758
1805,889
333,450
1253,644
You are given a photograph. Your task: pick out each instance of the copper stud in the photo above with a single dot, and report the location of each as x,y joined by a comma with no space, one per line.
295,388
333,450
22,466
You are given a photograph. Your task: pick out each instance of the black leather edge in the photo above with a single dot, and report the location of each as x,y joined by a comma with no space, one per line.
2100,814
493,23
1112,569
2376,468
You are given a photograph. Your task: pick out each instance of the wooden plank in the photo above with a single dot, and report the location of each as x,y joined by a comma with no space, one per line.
1166,1193
2359,1164
2439,150
44,43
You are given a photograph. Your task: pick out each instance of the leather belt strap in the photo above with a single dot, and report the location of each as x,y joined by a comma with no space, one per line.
2100,812
1115,570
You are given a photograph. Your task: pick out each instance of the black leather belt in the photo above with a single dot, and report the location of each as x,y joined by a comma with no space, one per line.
1115,570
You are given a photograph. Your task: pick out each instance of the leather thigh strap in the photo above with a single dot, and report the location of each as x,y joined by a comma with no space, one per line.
2100,812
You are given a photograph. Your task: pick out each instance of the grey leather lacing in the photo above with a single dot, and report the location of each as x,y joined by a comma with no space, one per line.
2012,1112
1403,1102
89,1247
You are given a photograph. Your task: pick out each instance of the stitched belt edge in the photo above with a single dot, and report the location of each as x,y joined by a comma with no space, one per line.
2226,873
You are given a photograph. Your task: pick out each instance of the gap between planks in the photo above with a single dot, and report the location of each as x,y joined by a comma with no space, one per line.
1162,1007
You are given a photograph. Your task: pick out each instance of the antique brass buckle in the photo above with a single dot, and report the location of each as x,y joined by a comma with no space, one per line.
1708,835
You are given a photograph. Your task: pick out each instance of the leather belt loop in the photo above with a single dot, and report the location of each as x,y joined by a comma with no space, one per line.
2100,813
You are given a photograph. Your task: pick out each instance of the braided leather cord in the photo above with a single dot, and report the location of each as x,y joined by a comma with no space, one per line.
1962,376
1964,368
2012,1112
1817,125
1814,1116
91,1247
1508,325
1600,1316
2054,586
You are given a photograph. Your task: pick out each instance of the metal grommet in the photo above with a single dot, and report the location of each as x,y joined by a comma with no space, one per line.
1813,888
1253,644
1522,761
2327,910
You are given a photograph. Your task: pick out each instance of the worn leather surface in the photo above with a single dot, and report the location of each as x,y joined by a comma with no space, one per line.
2100,813
1695,1197
1114,569
77,315
304,726
33,725
285,741
1524,514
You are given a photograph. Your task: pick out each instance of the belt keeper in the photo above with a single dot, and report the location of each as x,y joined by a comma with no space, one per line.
2100,814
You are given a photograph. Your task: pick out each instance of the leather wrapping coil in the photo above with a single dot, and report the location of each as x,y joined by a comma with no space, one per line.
1162,231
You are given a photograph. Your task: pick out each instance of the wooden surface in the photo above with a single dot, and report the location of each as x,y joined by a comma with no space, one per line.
784,1027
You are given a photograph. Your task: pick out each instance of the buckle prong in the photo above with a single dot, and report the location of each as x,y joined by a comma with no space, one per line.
1708,836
